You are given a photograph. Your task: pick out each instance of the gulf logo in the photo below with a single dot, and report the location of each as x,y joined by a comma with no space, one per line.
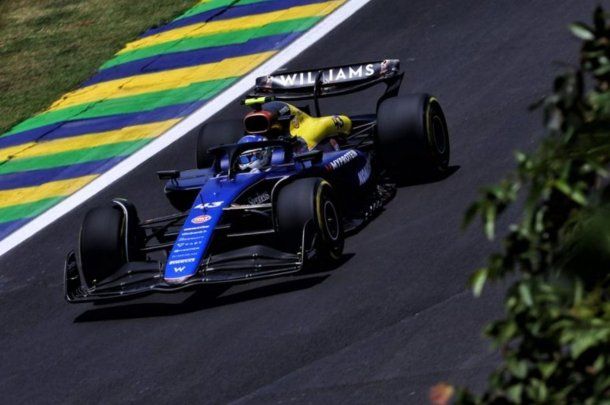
201,219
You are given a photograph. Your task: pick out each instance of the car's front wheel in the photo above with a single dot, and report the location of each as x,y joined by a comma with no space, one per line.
102,246
109,237
310,202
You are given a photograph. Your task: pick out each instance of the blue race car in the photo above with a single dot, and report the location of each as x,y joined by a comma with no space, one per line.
272,193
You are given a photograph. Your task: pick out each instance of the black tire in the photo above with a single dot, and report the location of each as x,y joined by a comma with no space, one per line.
214,134
102,243
305,200
412,135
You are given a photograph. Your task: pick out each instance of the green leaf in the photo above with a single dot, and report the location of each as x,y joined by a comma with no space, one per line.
471,212
547,369
602,70
526,295
587,340
490,221
517,368
578,291
520,156
538,391
507,331
514,393
477,281
574,194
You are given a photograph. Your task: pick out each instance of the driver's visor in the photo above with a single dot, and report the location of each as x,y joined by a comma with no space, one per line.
250,156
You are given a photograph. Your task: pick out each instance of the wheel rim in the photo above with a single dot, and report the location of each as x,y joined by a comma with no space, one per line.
438,134
331,220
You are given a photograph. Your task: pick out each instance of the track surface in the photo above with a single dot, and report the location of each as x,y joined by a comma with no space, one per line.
390,322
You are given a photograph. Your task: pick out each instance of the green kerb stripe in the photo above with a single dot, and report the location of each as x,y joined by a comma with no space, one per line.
73,157
28,210
225,38
125,105
202,8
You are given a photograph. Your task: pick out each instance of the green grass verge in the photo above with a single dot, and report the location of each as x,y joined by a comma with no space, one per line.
48,47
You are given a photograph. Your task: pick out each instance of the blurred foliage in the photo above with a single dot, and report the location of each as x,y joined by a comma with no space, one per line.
555,337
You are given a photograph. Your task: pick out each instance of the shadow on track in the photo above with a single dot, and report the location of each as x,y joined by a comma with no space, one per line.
210,297
419,178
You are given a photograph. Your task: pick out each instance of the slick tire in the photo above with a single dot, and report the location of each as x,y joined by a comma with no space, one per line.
311,201
102,243
412,136
214,134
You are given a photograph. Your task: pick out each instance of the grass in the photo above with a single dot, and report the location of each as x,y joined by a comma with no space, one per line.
49,47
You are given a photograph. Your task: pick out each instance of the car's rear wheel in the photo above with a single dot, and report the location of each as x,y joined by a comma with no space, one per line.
310,202
216,133
102,243
412,136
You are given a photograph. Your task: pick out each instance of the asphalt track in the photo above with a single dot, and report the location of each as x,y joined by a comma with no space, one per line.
390,322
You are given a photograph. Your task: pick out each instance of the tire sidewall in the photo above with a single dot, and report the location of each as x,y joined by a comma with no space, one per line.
213,134
438,142
310,201
328,220
412,135
102,245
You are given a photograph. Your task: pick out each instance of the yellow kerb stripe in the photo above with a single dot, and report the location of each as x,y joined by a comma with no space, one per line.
126,134
170,79
252,21
48,190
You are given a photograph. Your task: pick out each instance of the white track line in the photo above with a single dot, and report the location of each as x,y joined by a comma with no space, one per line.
182,128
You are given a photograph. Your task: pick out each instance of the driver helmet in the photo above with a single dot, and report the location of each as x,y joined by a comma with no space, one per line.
254,159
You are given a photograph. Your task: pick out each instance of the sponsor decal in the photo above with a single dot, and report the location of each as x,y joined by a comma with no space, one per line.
194,233
182,238
182,261
214,204
297,119
194,228
342,160
183,242
365,173
338,121
176,256
259,198
329,76
186,250
343,74
186,244
200,220
179,269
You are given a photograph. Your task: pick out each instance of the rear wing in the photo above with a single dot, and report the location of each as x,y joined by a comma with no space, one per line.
330,81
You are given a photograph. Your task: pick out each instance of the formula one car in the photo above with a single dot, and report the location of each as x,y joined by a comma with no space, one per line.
271,194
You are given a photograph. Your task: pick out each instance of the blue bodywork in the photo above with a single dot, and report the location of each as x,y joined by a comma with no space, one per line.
347,169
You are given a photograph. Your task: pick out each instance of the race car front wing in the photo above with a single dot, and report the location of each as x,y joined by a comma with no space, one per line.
142,278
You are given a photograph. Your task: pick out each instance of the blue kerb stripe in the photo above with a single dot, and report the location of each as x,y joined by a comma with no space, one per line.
196,57
77,127
7,227
231,12
37,177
